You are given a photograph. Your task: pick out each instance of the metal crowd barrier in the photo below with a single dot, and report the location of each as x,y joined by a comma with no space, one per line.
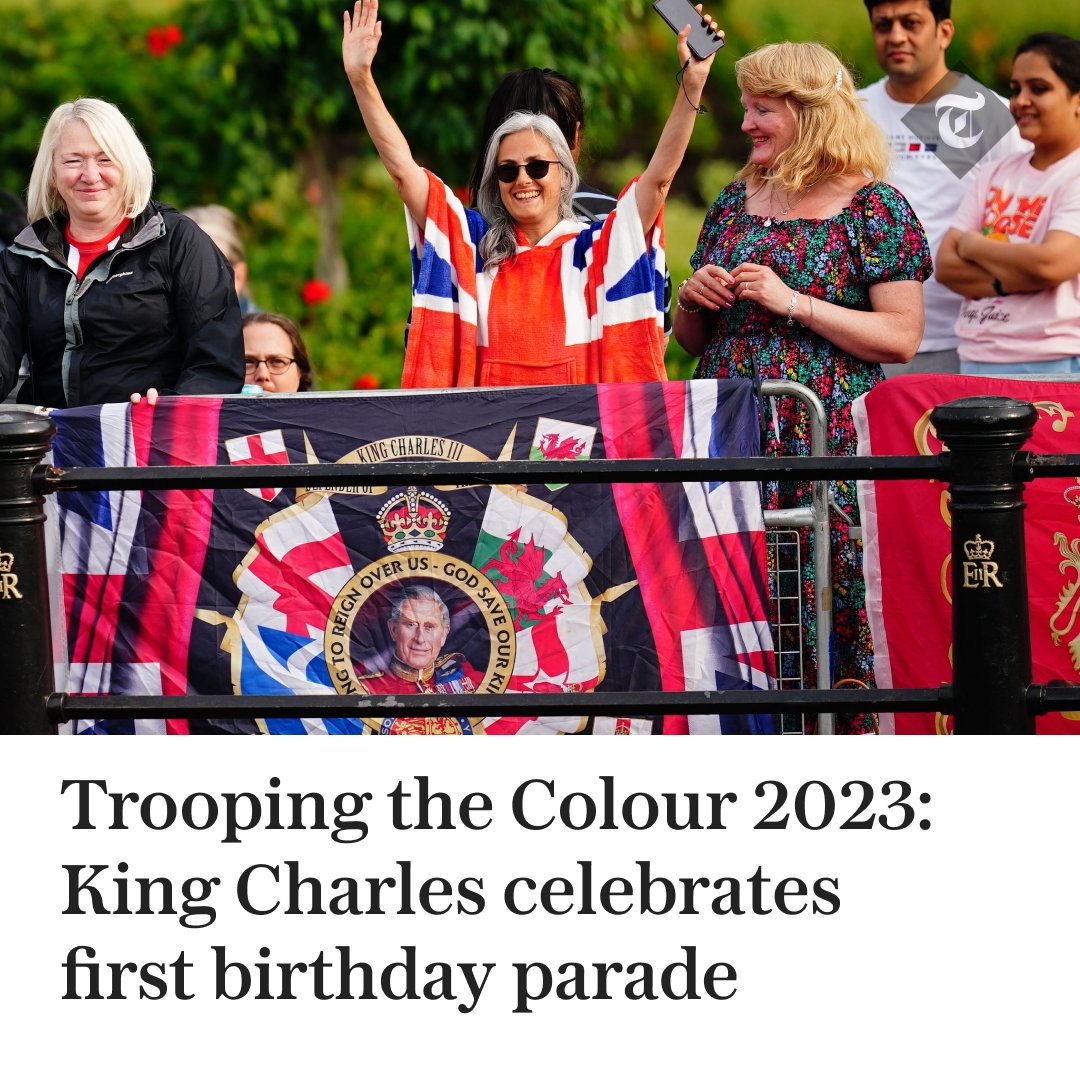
815,517
985,468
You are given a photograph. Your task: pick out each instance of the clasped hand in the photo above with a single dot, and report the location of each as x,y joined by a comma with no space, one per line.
713,287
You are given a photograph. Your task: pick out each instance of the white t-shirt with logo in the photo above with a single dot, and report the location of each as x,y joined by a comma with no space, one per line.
1018,204
934,192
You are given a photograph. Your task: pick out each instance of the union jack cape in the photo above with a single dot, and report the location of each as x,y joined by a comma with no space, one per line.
584,305
549,588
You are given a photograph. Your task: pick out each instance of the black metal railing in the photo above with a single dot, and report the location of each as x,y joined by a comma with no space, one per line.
985,468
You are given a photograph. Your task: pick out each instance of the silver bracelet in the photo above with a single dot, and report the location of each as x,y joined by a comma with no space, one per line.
791,308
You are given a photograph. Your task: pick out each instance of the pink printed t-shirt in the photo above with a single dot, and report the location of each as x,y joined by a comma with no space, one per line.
1021,204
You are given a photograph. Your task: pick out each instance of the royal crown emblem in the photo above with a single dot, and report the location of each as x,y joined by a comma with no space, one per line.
414,521
979,550
7,561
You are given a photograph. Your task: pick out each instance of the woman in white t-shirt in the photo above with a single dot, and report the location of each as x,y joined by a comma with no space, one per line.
1014,252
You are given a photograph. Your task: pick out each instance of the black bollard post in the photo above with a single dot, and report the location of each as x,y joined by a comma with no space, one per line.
25,625
991,638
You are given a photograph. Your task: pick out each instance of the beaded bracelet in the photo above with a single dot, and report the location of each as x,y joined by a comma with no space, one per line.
678,300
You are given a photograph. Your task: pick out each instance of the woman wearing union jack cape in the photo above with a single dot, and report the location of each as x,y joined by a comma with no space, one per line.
519,292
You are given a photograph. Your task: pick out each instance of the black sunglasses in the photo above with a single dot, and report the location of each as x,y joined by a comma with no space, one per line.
507,172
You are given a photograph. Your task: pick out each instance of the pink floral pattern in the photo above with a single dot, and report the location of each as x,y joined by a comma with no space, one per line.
876,238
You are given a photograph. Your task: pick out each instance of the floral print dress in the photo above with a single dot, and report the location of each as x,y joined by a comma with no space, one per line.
876,238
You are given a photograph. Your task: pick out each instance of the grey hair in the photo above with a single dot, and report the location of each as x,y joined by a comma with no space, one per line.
500,241
421,594
221,225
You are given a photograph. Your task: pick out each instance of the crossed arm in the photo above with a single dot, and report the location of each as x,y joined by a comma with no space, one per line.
969,263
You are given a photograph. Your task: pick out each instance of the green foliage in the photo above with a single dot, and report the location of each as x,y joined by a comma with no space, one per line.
439,62
272,70
360,330
280,88
49,55
252,109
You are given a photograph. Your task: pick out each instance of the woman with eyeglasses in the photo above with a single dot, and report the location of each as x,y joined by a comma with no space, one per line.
275,357
519,291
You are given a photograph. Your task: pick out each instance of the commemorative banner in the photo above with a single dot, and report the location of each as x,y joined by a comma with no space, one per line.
423,588
907,527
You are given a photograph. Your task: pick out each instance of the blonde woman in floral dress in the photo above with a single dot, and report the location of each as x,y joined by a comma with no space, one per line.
809,268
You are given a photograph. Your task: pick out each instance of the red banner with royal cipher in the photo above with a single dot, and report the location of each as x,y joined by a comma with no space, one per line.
907,541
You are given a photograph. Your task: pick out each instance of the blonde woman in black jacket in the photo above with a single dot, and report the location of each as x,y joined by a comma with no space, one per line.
111,296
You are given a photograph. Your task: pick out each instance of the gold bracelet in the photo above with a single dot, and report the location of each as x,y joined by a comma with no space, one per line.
678,299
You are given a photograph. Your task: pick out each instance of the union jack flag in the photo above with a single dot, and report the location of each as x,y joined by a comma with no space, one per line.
600,287
545,588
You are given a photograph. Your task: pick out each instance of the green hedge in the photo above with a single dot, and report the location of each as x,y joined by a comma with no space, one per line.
251,108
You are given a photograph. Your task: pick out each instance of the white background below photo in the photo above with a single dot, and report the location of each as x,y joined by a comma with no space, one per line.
941,951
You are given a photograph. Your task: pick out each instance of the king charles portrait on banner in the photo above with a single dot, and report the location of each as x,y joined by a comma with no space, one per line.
419,625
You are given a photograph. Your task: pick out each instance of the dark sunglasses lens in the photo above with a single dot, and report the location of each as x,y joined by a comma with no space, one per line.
507,172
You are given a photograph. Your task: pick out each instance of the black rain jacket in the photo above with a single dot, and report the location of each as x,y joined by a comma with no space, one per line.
159,310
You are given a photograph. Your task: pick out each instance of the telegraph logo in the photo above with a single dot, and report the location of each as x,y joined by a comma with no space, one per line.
956,114
959,121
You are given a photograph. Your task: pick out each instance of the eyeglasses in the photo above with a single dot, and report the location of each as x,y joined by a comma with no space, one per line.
274,364
507,172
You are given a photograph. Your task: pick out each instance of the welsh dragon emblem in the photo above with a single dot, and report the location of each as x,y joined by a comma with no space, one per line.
521,570
555,448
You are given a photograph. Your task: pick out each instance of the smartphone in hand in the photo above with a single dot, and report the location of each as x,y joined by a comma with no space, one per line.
679,13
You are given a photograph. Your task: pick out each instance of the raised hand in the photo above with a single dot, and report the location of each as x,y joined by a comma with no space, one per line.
360,37
654,182
686,56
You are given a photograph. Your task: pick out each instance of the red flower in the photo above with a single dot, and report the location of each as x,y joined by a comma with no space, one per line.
367,381
155,41
160,39
315,292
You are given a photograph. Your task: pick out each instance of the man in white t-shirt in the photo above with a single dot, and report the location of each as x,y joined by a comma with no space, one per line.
940,126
